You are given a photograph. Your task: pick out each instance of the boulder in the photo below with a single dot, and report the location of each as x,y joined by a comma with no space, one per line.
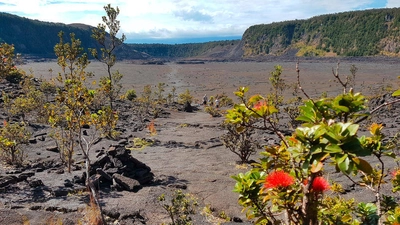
32,140
52,148
4,181
127,183
188,107
35,183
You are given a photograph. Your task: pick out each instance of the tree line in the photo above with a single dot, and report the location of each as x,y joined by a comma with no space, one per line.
355,33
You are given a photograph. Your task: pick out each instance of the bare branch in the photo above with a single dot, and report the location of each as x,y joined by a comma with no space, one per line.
377,108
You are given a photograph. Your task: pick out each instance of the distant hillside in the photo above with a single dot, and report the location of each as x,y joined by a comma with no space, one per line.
358,33
213,49
33,37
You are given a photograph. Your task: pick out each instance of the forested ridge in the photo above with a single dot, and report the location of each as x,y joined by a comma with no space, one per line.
356,33
37,37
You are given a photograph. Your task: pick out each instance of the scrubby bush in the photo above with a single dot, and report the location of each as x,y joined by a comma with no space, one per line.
224,100
185,97
130,94
214,112
12,137
180,207
240,142
8,69
48,88
146,105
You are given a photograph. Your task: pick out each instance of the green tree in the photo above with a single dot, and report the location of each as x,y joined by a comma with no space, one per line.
109,85
185,97
72,109
8,70
12,136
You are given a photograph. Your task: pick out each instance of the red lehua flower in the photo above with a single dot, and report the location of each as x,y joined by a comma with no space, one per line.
278,179
320,184
394,173
260,104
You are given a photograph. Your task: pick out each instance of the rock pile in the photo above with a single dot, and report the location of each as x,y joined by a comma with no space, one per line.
117,169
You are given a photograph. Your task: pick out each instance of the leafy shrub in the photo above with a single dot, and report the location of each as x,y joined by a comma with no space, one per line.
8,70
15,76
12,136
130,94
240,141
48,88
224,100
290,180
185,97
212,111
180,208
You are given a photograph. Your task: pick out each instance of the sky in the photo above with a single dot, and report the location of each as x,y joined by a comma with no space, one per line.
179,21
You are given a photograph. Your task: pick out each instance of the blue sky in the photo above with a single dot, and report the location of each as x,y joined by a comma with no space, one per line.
160,20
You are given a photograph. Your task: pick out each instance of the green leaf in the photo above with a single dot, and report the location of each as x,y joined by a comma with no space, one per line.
344,165
396,93
316,167
390,154
342,108
363,165
305,119
319,131
339,158
333,148
240,129
353,128
255,98
272,110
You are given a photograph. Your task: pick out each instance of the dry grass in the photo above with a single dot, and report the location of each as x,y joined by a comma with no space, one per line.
152,129
92,214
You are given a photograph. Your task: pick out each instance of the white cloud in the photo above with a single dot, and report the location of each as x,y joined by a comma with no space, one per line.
177,18
392,3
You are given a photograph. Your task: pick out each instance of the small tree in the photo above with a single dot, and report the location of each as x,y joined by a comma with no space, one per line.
8,70
180,208
352,78
159,93
12,136
109,85
72,108
185,97
31,100
278,86
241,141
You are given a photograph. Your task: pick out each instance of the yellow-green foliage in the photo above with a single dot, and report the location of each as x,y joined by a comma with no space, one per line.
12,136
212,111
8,70
180,208
139,144
185,97
110,85
72,108
309,50
130,94
224,100
48,88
